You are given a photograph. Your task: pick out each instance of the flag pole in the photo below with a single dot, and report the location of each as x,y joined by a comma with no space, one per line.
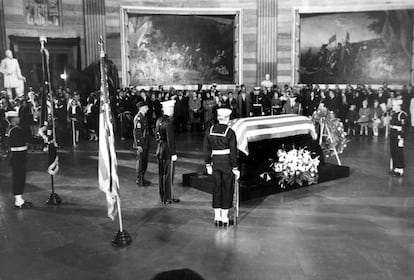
50,136
121,237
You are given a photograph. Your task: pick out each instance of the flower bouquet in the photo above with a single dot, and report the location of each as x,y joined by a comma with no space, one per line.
295,166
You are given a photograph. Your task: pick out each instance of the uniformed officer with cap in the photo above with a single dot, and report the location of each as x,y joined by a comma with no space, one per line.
398,124
257,102
18,150
166,153
220,149
141,142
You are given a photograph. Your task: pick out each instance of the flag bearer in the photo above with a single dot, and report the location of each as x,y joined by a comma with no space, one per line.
220,149
18,150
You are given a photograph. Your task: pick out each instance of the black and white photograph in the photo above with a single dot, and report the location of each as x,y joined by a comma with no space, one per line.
207,140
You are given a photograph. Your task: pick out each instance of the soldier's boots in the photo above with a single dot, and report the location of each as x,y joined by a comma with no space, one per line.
142,182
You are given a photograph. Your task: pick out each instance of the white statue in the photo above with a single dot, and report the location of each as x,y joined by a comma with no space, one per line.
267,83
12,75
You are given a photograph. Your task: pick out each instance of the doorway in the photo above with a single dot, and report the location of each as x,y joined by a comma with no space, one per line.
64,58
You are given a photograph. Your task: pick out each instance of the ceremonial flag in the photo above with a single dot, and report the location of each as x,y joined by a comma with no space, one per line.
332,38
107,166
347,39
53,159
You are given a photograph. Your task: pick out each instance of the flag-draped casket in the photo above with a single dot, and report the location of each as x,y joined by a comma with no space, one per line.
259,138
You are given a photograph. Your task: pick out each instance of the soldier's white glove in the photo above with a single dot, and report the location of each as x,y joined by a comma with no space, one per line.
174,157
401,143
209,169
236,173
139,149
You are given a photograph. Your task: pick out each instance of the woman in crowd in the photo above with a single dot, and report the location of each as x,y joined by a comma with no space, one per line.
310,103
277,104
364,117
375,116
75,117
91,113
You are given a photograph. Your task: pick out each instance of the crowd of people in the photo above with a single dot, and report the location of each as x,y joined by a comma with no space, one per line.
362,109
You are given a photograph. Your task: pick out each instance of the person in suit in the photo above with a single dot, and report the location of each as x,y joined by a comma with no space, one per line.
141,142
292,106
244,103
181,112
166,152
220,150
18,160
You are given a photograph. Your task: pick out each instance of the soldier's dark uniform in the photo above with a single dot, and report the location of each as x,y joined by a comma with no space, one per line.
397,132
221,153
141,139
17,139
257,103
164,133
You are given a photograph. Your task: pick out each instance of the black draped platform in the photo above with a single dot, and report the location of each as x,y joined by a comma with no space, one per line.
258,162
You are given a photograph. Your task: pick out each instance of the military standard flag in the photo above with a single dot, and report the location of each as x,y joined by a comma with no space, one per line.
107,165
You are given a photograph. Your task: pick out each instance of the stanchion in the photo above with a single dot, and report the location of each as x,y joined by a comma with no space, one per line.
53,199
122,237
73,133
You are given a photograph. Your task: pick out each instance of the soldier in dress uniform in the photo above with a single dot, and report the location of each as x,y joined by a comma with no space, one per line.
166,153
18,150
220,151
398,124
257,102
141,142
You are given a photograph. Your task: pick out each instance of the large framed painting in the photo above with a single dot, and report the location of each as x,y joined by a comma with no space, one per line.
43,13
179,47
369,47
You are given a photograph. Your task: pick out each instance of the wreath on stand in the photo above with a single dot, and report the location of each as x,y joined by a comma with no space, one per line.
337,140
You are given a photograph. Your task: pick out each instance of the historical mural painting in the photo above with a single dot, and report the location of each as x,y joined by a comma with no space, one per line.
180,49
362,47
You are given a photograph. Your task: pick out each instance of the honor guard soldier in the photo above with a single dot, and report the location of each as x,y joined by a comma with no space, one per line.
397,133
166,153
220,149
257,102
141,142
18,150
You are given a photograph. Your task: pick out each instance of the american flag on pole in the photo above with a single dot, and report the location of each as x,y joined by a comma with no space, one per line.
107,165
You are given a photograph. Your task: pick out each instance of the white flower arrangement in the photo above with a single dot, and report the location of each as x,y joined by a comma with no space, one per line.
296,166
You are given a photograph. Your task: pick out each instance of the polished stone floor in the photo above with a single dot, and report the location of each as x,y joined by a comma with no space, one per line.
360,227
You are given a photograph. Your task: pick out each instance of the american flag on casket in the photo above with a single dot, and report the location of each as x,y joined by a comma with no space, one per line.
259,128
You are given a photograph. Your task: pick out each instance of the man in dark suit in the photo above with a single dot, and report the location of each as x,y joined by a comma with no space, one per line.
181,112
166,153
244,103
292,106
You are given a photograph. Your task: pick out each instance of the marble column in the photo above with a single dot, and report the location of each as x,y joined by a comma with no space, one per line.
94,11
266,39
